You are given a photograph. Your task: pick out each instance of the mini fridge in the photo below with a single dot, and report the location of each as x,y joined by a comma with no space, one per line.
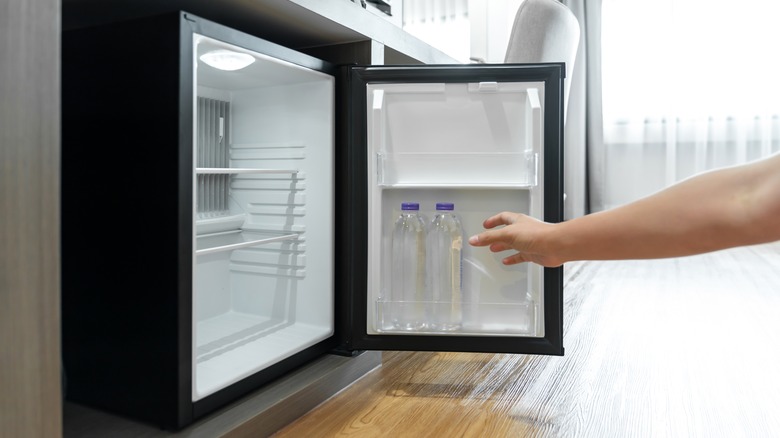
228,208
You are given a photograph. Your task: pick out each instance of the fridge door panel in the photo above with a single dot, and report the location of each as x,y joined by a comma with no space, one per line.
263,210
486,139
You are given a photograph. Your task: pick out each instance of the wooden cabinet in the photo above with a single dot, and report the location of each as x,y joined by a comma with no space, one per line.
29,219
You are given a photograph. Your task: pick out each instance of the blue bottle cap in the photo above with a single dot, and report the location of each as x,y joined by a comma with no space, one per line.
410,206
445,206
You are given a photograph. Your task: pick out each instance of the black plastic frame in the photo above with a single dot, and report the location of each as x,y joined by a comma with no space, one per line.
356,191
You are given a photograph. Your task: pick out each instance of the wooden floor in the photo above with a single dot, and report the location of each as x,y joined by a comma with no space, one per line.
681,347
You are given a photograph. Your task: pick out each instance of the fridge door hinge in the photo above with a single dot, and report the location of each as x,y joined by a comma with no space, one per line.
343,351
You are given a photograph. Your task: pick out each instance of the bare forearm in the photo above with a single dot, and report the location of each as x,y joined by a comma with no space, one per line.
716,210
721,209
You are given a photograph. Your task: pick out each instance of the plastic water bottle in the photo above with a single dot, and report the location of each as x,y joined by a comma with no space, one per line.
407,285
445,255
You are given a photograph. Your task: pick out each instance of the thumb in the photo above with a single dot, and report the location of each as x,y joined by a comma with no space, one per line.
482,239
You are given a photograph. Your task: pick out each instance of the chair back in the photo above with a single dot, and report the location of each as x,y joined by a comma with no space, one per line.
545,31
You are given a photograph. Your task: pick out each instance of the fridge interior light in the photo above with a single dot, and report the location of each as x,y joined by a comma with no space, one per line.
227,60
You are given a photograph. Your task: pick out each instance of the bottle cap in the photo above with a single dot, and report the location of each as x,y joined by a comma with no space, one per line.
445,206
410,206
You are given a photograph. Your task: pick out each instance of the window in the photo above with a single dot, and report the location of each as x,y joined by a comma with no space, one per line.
688,85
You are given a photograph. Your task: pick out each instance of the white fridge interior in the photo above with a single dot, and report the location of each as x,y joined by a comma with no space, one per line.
478,146
263,217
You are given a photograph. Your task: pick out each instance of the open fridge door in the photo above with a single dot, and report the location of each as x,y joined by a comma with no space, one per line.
468,141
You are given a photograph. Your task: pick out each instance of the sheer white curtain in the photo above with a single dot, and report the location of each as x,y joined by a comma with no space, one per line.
688,85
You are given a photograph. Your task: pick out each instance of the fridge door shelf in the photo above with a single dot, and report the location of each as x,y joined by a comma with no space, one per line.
419,169
228,241
486,319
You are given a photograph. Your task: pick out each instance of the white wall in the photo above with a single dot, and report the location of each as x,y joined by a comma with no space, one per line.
491,24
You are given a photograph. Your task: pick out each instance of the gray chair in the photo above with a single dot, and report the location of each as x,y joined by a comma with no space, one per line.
545,31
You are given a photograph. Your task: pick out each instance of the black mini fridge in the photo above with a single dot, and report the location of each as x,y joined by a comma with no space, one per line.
250,192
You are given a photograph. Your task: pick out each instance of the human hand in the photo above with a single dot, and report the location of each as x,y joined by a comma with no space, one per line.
524,234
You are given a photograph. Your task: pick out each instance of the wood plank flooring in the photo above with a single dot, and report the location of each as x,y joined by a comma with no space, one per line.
679,347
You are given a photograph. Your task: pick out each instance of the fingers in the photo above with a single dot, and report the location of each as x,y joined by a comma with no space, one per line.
499,240
515,232
499,246
515,259
478,240
488,237
503,218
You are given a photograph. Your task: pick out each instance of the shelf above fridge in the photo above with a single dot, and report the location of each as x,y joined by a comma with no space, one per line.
458,170
229,241
232,170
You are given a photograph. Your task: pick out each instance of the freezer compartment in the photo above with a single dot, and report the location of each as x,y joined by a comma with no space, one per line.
495,299
263,211
456,134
